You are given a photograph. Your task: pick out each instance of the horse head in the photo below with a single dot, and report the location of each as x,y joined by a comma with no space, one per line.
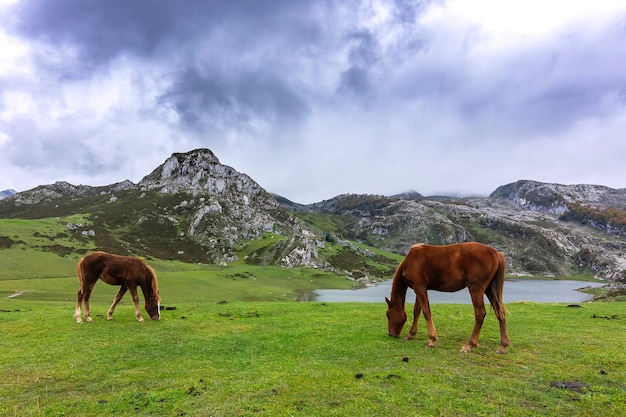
396,317
153,307
151,293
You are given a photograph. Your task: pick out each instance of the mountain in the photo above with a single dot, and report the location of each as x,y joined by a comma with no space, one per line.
7,193
195,209
190,208
558,198
535,242
544,229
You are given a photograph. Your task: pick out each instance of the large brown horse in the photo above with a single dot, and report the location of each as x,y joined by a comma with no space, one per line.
449,268
127,272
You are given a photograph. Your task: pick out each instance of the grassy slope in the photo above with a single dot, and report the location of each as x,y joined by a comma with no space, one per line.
38,257
282,359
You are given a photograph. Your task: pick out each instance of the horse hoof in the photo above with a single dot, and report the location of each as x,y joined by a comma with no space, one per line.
89,319
466,349
501,350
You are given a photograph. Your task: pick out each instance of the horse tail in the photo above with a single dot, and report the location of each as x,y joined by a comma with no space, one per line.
496,286
80,273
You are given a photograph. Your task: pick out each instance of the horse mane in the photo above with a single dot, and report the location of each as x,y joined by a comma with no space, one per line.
153,280
399,285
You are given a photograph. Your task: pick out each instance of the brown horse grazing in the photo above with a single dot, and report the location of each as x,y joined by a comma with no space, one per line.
125,271
449,268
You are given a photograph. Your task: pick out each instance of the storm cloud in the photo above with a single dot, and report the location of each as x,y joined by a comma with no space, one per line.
313,99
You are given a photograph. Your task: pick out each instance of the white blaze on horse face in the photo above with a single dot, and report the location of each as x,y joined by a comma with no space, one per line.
159,309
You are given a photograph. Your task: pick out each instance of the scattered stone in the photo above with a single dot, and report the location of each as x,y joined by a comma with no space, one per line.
405,359
390,376
612,317
358,376
16,294
575,306
575,386
603,372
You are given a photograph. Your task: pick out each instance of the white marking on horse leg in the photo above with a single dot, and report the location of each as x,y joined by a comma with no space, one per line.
467,348
77,314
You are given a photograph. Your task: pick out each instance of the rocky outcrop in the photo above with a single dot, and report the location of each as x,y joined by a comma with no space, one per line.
62,189
556,198
225,207
200,172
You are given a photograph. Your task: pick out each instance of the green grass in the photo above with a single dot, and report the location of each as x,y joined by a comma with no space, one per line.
179,282
308,359
236,346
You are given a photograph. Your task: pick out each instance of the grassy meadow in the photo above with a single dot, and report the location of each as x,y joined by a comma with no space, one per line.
232,341
288,358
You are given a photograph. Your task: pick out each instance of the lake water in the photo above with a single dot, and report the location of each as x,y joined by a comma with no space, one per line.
541,291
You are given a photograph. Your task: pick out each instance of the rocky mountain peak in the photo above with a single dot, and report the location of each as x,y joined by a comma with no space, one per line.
200,172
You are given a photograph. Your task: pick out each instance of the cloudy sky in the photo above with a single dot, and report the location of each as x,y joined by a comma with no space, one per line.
315,98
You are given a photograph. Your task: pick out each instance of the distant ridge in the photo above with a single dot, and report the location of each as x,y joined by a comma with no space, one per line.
7,193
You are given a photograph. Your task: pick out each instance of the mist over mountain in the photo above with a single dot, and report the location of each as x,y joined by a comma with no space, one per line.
7,193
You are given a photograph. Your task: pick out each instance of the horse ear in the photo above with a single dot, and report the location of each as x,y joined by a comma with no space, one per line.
388,301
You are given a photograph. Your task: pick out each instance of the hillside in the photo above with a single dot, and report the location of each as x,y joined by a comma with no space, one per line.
194,209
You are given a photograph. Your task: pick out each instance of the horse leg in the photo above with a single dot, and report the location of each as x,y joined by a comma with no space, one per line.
417,309
87,295
116,301
422,299
504,336
133,293
79,303
479,314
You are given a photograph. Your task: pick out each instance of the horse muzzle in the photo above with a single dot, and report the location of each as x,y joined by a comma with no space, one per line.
392,335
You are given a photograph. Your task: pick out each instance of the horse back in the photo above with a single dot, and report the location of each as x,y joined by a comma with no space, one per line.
451,267
113,269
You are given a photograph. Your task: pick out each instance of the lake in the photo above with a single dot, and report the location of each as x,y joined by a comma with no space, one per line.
534,290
